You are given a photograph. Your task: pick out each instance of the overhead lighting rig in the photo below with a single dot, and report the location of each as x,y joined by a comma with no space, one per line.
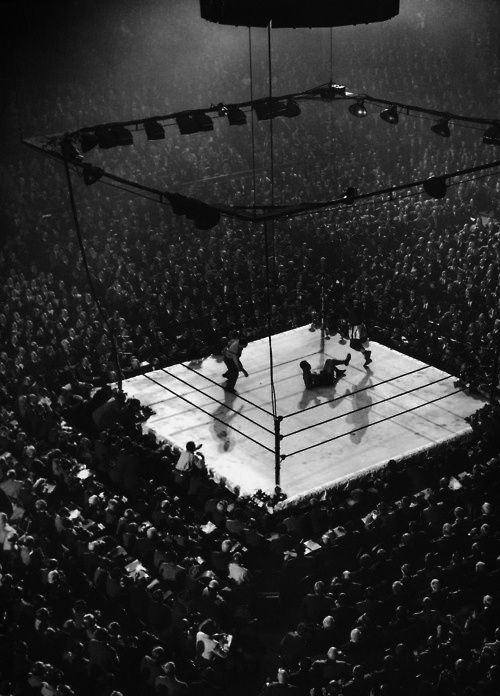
203,215
435,187
153,129
194,122
358,109
442,128
331,92
91,174
113,135
70,150
271,108
235,116
390,115
88,141
491,136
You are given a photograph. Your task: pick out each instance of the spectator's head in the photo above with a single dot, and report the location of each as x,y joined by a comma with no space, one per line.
282,676
328,622
169,669
355,636
319,587
435,585
332,654
158,653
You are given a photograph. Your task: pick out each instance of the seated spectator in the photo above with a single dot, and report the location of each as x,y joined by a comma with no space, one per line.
207,645
293,646
237,571
168,683
333,668
280,686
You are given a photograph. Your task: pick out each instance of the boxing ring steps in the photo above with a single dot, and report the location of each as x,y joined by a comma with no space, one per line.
238,433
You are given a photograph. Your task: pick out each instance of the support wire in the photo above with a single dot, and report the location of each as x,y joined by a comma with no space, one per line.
252,119
89,276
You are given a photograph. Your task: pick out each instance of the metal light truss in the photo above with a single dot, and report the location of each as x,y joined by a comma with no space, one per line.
52,146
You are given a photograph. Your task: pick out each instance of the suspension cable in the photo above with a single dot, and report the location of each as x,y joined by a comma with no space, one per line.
252,119
89,276
331,55
269,238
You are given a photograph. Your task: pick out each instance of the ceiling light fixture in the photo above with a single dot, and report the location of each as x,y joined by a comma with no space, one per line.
153,129
442,128
390,115
194,122
435,187
491,135
358,109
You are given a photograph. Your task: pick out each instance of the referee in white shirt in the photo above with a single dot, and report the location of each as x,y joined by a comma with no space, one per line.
232,354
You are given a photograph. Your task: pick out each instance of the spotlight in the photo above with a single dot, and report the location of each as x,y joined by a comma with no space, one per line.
153,129
272,108
435,187
91,174
331,91
70,151
194,122
112,136
441,128
358,109
292,109
204,216
269,108
88,141
491,135
236,116
390,115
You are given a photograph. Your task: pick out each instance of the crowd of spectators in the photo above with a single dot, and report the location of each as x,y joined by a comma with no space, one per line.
425,270
120,572
122,569
402,595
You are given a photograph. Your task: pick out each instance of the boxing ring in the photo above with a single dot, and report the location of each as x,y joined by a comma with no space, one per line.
318,438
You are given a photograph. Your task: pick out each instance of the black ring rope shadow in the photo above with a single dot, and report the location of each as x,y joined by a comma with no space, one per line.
361,408
207,413
364,427
217,383
357,391
221,403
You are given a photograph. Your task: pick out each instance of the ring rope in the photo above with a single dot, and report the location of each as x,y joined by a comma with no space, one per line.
357,391
211,415
363,427
221,403
361,408
264,410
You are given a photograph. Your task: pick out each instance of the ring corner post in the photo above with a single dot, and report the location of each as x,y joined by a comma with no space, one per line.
322,311
277,450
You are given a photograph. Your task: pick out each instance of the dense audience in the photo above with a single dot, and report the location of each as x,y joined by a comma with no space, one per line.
123,569
123,566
